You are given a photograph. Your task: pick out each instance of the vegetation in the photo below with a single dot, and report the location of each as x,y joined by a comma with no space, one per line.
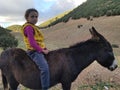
48,22
6,39
15,28
90,8
115,46
100,86
94,8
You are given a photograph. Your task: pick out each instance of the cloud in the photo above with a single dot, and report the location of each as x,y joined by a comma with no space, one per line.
12,11
14,7
57,7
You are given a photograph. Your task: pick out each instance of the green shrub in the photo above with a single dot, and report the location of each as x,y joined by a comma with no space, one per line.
6,39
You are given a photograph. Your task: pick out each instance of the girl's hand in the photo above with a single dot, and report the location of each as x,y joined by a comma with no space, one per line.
45,51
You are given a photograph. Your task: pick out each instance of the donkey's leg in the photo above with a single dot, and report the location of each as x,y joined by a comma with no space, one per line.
66,86
5,83
13,84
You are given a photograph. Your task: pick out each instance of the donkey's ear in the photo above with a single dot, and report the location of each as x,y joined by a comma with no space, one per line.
94,33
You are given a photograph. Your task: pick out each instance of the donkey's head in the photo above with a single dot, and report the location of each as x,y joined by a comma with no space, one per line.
105,55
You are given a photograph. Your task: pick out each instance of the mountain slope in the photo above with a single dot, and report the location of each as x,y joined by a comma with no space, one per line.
15,28
95,8
66,34
46,23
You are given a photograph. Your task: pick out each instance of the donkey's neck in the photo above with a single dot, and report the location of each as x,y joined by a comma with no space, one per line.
84,61
83,54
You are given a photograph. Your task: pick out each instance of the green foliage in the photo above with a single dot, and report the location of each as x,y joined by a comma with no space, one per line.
6,39
95,8
51,21
100,86
115,46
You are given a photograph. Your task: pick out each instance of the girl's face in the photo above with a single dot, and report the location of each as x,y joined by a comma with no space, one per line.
33,17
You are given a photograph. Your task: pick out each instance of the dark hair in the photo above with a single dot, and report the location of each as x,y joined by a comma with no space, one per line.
28,11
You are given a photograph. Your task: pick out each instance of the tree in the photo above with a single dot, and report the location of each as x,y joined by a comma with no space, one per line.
7,39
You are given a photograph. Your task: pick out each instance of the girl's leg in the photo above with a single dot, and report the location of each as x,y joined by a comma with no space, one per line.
44,68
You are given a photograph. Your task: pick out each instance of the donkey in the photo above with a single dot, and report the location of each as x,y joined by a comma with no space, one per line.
65,64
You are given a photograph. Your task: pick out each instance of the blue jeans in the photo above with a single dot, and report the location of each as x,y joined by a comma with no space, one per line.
42,64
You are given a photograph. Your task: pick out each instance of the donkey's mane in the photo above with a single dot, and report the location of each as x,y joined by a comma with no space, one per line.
80,44
77,46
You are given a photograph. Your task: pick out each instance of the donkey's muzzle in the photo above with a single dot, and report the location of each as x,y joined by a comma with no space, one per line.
113,68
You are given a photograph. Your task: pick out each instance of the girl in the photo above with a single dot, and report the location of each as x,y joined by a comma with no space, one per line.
34,41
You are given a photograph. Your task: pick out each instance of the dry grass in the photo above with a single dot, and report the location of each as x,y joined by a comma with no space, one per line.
66,34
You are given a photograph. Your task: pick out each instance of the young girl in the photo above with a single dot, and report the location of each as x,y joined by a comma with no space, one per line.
34,41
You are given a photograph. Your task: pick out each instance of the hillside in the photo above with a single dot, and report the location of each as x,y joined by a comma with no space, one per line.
15,28
90,8
46,23
65,34
94,8
76,29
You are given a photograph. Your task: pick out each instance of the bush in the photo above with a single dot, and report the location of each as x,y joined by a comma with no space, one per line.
7,40
115,46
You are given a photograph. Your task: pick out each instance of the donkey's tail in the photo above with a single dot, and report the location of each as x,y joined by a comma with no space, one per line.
5,83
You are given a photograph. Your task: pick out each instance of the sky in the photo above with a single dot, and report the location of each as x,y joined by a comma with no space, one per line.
12,11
